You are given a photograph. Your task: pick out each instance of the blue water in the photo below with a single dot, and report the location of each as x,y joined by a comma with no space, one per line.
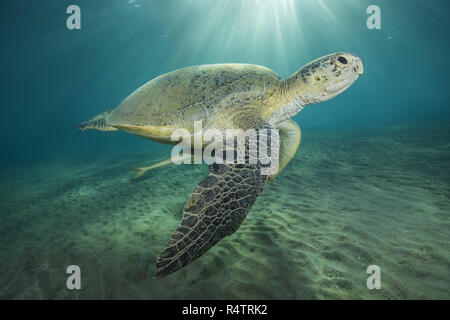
376,155
53,78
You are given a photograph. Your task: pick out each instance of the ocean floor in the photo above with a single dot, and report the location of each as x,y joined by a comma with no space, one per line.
349,199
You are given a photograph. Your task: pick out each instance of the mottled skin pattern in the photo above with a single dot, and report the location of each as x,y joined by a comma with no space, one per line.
216,208
226,96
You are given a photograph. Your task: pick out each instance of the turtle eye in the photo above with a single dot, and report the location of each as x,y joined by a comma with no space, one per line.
342,60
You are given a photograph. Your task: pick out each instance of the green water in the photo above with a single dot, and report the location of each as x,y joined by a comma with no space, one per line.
349,199
369,185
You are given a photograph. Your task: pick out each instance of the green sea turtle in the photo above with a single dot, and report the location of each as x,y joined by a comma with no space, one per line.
223,96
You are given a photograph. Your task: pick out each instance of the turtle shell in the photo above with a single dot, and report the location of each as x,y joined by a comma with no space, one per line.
178,98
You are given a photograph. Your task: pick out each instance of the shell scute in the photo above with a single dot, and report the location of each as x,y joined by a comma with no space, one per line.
178,98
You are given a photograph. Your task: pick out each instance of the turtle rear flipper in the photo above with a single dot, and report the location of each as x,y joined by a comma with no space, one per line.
141,170
98,122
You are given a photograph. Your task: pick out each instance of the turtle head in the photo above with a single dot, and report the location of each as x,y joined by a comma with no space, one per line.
326,77
318,81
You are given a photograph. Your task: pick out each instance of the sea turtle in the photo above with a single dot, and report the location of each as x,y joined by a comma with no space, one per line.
223,96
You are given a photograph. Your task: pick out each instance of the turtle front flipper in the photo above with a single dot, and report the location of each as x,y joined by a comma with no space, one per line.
216,208
290,136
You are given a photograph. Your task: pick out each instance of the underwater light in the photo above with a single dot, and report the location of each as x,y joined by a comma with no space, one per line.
230,29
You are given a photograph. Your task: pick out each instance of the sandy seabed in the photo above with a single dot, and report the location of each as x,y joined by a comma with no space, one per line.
349,199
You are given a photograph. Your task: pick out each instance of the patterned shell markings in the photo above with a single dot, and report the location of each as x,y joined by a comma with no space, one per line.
178,98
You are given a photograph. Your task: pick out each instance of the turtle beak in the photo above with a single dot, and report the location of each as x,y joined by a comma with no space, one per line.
358,66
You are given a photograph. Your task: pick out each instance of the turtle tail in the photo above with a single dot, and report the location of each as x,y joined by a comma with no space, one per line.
98,122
